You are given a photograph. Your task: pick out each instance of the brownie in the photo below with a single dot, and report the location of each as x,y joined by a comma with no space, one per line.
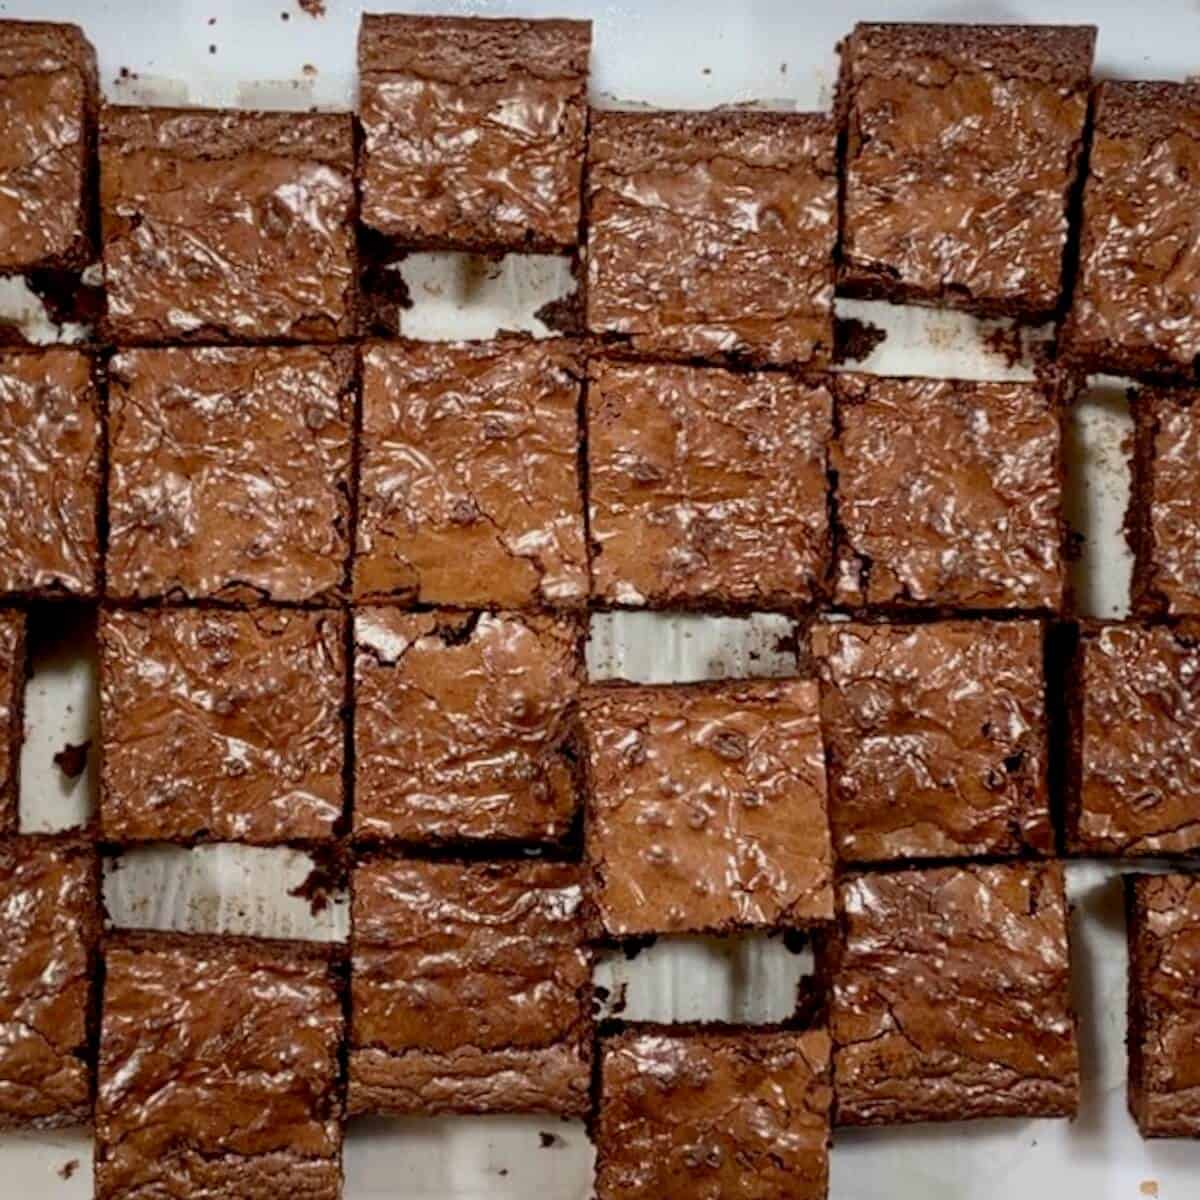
50,909
49,95
221,725
713,1111
1163,922
13,668
464,725
949,496
471,988
219,1070
707,489
936,739
963,146
223,225
710,235
706,807
470,494
230,473
473,130
949,995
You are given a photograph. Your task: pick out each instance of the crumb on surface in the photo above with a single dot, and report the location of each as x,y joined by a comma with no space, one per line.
855,340
72,759
68,1168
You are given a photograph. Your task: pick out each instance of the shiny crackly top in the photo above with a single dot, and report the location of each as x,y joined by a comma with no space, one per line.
949,495
473,130
962,147
470,492
706,486
12,688
225,226
49,473
49,907
935,738
714,1115
462,725
950,996
220,724
711,235
229,472
706,806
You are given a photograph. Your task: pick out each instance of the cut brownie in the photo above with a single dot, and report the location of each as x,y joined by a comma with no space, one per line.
713,1111
50,910
962,150
464,725
12,714
471,988
222,726
707,488
935,739
227,225
49,94
473,130
470,493
219,1072
949,495
949,994
706,808
711,235
230,473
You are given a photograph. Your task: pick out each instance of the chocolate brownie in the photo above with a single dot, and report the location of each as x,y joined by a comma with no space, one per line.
714,1111
229,473
12,713
219,1072
1163,922
949,996
963,146
222,726
707,489
50,909
936,739
470,493
473,130
706,807
710,235
223,225
471,988
464,725
949,495
49,94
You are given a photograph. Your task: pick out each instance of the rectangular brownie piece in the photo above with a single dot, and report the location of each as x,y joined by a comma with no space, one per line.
219,1070
949,996
473,130
13,669
227,226
707,489
963,145
471,988
710,235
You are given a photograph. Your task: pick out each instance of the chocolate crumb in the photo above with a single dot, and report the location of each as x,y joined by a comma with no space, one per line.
71,759
855,340
314,8
68,1168
1073,551
1005,342
212,49
549,1139
621,1003
329,874
795,941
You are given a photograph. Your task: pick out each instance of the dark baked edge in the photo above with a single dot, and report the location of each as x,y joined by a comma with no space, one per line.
251,949
10,786
1135,1030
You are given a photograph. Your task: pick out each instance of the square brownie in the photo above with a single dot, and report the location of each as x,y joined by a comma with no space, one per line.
473,130
949,496
464,725
707,489
706,807
471,988
50,909
470,493
227,226
49,96
936,739
710,235
13,669
1163,924
963,146
949,996
219,725
50,450
714,1111
219,1070
230,473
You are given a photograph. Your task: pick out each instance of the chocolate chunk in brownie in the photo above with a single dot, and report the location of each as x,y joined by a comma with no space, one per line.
13,668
